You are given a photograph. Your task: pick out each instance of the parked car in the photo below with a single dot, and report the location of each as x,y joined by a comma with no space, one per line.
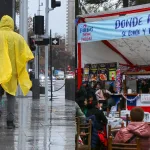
42,77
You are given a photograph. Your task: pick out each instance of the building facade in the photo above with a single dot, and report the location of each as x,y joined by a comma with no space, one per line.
70,35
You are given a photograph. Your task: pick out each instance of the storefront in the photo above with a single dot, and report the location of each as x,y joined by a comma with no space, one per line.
114,47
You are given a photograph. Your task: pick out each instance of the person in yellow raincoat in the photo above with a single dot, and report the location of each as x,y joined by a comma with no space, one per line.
14,55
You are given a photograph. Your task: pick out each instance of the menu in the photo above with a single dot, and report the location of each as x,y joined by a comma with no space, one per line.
86,72
102,72
112,71
93,72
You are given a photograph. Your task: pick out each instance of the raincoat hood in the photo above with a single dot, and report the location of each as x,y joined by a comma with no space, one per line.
141,129
7,23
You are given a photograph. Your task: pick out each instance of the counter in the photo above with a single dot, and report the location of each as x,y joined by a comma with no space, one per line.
119,100
136,99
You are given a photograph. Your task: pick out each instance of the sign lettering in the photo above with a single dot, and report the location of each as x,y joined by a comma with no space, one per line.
116,28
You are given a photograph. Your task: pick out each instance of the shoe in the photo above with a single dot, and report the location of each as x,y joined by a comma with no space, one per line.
10,125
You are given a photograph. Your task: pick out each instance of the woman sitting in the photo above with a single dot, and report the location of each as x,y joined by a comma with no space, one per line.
99,122
136,128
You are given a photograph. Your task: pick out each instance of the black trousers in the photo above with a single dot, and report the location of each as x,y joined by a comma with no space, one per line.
10,104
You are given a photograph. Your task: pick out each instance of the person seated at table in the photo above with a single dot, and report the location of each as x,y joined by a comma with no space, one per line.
80,114
136,128
88,105
100,117
99,122
82,95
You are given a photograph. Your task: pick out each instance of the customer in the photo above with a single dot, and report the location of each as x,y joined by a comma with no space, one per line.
100,117
91,90
137,128
14,55
79,113
82,95
99,122
100,94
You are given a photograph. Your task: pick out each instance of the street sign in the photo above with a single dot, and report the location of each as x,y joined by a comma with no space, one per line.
55,41
42,41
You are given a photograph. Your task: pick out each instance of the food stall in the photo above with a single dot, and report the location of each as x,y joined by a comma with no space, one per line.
120,36
137,89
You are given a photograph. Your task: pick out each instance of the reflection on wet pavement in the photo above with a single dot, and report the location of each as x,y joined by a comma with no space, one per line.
33,133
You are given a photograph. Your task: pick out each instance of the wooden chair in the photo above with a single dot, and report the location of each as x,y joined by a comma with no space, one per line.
88,129
113,131
128,118
123,146
117,114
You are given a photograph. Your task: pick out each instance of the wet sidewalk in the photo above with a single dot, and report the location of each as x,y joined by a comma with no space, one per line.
37,129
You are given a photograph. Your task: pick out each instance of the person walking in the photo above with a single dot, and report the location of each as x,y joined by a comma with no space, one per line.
14,55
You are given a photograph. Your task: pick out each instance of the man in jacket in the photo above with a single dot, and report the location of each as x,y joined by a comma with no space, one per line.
14,55
137,128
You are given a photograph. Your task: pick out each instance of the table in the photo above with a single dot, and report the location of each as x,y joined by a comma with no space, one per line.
114,122
146,115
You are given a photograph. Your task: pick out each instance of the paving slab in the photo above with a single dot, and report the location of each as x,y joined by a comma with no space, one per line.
32,132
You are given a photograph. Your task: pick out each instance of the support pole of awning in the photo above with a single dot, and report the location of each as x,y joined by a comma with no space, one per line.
79,66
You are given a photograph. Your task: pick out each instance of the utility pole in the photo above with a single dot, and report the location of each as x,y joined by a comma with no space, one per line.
76,42
39,7
46,59
54,4
23,25
76,14
23,103
24,19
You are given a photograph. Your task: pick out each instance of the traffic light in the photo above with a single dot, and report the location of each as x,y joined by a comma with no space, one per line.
55,3
38,25
69,68
32,44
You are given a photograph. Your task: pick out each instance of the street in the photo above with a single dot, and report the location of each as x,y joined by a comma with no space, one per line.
58,88
37,129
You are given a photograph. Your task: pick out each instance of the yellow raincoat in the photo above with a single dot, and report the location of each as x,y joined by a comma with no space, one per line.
14,55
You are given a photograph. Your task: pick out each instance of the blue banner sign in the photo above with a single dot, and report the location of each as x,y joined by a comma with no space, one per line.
121,27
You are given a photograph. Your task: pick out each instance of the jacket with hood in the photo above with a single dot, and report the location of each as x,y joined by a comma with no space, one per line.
139,129
14,55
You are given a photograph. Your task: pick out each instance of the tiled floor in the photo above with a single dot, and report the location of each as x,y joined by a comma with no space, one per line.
37,130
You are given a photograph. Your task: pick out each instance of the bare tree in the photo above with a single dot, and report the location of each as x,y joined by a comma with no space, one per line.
93,6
